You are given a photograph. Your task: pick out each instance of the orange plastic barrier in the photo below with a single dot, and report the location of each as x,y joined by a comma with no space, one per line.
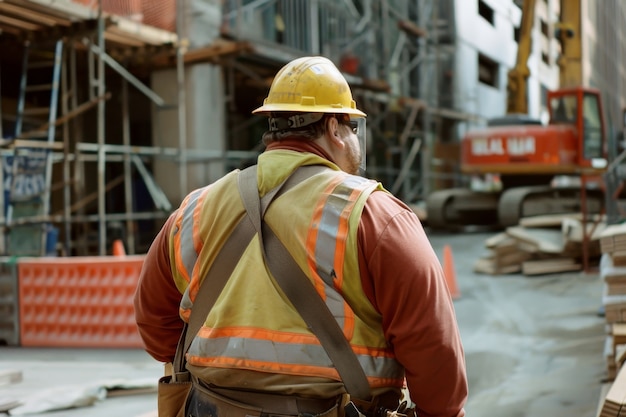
78,301
450,272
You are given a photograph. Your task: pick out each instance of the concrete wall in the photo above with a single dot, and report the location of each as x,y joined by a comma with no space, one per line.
604,52
496,41
204,108
543,74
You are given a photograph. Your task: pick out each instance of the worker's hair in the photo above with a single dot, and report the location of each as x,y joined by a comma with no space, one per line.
308,132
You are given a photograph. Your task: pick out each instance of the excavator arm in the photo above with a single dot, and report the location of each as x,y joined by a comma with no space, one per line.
518,76
568,32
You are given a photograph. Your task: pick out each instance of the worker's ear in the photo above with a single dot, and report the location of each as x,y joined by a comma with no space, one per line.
332,132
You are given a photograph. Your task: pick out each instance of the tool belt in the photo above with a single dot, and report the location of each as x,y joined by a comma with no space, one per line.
221,402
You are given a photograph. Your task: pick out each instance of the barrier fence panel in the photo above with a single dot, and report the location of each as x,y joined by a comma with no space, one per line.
78,301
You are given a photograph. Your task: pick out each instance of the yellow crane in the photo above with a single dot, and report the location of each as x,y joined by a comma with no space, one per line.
517,102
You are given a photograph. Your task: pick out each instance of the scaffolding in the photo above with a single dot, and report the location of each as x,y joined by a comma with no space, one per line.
98,184
398,57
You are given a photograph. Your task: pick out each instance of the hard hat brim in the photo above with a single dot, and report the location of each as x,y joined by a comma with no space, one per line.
270,108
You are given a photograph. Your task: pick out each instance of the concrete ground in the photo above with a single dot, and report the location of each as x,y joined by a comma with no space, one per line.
534,348
533,345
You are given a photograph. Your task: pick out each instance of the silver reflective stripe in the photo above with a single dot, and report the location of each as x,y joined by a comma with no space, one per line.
326,243
187,249
328,227
185,302
285,353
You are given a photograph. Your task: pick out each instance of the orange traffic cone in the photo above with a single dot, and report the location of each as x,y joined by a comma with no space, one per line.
449,272
118,248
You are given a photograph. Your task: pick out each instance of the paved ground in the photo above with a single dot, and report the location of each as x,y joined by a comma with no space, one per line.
534,348
533,345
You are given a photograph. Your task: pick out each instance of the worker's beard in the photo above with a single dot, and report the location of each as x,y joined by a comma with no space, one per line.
353,159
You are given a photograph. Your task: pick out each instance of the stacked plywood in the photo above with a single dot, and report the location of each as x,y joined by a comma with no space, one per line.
541,245
613,275
613,242
613,289
614,403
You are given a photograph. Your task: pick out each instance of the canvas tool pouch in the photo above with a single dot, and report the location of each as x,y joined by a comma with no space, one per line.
171,397
217,402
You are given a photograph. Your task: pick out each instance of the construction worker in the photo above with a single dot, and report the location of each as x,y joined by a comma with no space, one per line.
374,267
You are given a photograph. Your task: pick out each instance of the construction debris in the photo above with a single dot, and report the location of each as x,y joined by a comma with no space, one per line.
542,245
615,399
65,397
9,376
613,273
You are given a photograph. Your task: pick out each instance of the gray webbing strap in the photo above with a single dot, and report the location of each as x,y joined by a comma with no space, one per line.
217,276
299,289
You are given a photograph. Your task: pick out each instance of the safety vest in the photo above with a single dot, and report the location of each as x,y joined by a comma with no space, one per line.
252,325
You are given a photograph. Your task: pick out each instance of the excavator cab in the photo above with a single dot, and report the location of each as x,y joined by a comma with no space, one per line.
581,108
537,165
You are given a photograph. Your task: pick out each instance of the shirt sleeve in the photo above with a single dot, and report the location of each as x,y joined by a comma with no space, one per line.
404,280
157,300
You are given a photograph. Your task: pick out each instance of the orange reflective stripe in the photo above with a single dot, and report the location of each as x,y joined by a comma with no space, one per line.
256,333
184,246
194,285
373,352
327,239
385,382
342,236
197,212
311,242
273,367
184,314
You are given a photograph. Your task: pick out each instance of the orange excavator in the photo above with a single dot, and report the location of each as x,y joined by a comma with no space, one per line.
540,167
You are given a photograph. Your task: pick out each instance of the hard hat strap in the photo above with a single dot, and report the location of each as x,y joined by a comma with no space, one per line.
295,121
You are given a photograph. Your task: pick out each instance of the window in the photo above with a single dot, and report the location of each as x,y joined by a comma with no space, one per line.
592,128
516,29
564,109
545,29
488,71
543,96
485,11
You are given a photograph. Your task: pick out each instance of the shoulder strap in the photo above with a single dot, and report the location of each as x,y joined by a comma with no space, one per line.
299,289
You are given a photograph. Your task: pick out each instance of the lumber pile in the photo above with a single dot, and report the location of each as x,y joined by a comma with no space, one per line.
613,275
614,403
541,245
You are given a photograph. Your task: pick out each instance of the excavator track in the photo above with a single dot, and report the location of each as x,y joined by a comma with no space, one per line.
456,207
519,202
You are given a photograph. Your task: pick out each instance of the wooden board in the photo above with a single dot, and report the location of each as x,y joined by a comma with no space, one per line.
550,266
547,220
489,267
615,397
545,240
573,230
603,391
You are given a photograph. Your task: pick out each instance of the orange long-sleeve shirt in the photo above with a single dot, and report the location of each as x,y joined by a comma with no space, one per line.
402,277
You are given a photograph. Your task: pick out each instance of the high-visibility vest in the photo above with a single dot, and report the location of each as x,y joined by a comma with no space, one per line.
252,325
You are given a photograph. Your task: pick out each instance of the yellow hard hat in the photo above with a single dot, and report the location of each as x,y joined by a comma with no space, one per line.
310,85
